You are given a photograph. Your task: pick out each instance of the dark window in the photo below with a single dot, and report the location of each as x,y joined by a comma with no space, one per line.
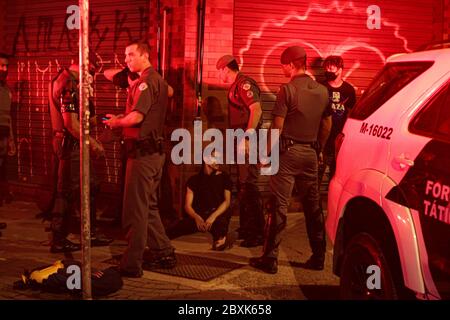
434,120
388,82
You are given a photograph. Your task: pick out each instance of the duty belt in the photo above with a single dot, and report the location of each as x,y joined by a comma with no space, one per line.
140,148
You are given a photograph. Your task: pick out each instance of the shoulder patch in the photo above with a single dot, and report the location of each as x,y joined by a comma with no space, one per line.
246,86
143,86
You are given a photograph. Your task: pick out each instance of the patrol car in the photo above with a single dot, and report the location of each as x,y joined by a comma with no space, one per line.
388,203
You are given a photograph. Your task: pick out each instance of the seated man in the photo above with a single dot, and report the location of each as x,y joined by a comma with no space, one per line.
207,204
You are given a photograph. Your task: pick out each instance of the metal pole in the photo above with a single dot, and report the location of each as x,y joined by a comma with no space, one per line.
158,36
200,40
84,150
163,45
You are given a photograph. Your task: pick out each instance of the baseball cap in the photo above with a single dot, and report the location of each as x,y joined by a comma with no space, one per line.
224,61
292,53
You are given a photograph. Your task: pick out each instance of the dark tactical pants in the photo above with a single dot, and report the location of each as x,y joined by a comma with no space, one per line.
68,190
140,215
187,225
298,165
251,214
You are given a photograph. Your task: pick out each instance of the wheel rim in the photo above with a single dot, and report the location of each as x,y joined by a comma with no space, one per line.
356,277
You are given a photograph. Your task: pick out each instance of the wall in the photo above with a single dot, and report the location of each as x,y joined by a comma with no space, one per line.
42,41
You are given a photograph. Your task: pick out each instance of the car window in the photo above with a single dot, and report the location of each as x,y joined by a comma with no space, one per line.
388,82
434,120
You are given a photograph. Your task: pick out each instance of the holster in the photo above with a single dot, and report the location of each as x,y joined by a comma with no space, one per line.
286,143
63,144
141,148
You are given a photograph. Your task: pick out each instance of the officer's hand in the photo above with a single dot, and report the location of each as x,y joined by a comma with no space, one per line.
98,149
243,147
93,121
11,148
112,120
320,158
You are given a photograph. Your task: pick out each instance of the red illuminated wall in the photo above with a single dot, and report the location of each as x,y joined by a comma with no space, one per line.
37,34
254,31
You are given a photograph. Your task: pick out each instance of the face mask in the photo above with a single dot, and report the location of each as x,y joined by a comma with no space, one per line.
330,76
3,75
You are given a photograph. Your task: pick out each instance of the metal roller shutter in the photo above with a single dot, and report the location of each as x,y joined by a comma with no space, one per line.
263,29
37,34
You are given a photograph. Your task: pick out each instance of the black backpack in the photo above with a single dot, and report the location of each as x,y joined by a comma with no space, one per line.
54,279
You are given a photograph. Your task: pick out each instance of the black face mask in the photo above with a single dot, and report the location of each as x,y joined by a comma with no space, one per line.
3,75
330,76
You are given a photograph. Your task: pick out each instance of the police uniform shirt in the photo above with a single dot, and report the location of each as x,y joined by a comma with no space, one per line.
5,106
148,95
242,94
302,102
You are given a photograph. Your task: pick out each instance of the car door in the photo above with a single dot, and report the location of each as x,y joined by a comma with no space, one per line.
420,164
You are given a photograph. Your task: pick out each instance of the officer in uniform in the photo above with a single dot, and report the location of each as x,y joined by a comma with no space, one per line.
245,113
64,113
143,127
7,145
303,116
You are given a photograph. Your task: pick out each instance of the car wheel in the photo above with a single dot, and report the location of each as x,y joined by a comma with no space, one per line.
357,282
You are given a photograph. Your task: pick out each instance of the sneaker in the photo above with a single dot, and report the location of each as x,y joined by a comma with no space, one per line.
64,246
228,244
266,264
167,262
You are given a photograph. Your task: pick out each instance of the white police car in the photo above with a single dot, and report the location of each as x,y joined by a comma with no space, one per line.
389,201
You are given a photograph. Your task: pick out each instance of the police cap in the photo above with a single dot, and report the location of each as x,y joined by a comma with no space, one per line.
224,61
292,53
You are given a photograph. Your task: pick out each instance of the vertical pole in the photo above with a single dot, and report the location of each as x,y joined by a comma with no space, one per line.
84,150
200,41
163,45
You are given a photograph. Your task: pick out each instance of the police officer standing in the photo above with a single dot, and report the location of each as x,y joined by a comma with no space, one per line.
64,105
245,113
7,145
302,115
143,127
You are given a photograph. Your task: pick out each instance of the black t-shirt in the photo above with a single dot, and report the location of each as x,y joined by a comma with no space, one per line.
208,191
341,101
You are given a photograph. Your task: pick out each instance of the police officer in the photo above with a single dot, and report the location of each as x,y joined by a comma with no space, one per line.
302,115
143,126
64,113
7,145
245,113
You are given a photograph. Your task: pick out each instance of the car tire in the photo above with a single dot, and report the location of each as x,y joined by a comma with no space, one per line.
361,252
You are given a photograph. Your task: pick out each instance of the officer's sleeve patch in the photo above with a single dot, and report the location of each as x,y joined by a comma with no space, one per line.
143,86
250,94
246,86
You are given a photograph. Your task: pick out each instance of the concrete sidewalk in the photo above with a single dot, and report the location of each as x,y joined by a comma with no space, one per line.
24,245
